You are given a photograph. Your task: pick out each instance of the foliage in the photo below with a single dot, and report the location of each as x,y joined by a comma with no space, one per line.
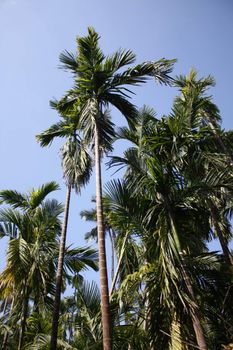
169,291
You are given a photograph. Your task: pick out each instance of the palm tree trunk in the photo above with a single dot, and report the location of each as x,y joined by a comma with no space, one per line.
24,320
57,298
176,339
147,319
226,253
106,321
112,253
195,312
118,265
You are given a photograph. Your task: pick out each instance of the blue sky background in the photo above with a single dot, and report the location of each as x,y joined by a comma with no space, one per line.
198,33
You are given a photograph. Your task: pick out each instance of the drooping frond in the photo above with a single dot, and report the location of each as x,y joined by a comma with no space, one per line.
76,164
119,101
159,70
69,61
14,198
60,129
78,259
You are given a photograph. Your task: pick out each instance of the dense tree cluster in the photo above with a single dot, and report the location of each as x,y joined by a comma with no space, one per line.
168,291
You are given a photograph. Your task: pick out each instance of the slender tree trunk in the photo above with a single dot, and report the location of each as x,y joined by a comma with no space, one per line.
118,265
112,253
57,299
176,339
147,313
224,244
105,309
24,321
195,312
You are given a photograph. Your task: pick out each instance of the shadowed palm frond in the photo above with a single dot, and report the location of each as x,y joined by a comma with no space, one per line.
14,198
61,129
69,62
78,259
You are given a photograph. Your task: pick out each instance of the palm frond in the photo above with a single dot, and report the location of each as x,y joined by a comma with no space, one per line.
118,60
14,198
60,129
76,164
69,61
89,53
38,196
78,259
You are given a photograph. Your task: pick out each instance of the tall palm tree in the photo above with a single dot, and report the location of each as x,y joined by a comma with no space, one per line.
76,165
201,113
157,171
100,82
32,255
154,177
32,224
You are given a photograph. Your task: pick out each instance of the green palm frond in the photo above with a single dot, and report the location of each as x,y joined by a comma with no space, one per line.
14,198
119,101
76,164
118,60
19,257
78,259
159,70
88,215
69,61
89,53
60,129
89,118
183,81
8,229
51,208
38,196
42,341
92,235
89,296
14,217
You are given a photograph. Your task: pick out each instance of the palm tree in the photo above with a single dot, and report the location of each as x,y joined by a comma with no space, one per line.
100,82
32,255
171,208
76,165
200,112
148,175
32,232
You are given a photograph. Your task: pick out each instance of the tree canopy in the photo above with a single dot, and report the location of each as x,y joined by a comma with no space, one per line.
163,288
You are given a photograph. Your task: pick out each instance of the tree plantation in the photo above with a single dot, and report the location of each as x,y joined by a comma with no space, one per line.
162,288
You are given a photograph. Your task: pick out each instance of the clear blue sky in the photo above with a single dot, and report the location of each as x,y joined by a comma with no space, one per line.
33,33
